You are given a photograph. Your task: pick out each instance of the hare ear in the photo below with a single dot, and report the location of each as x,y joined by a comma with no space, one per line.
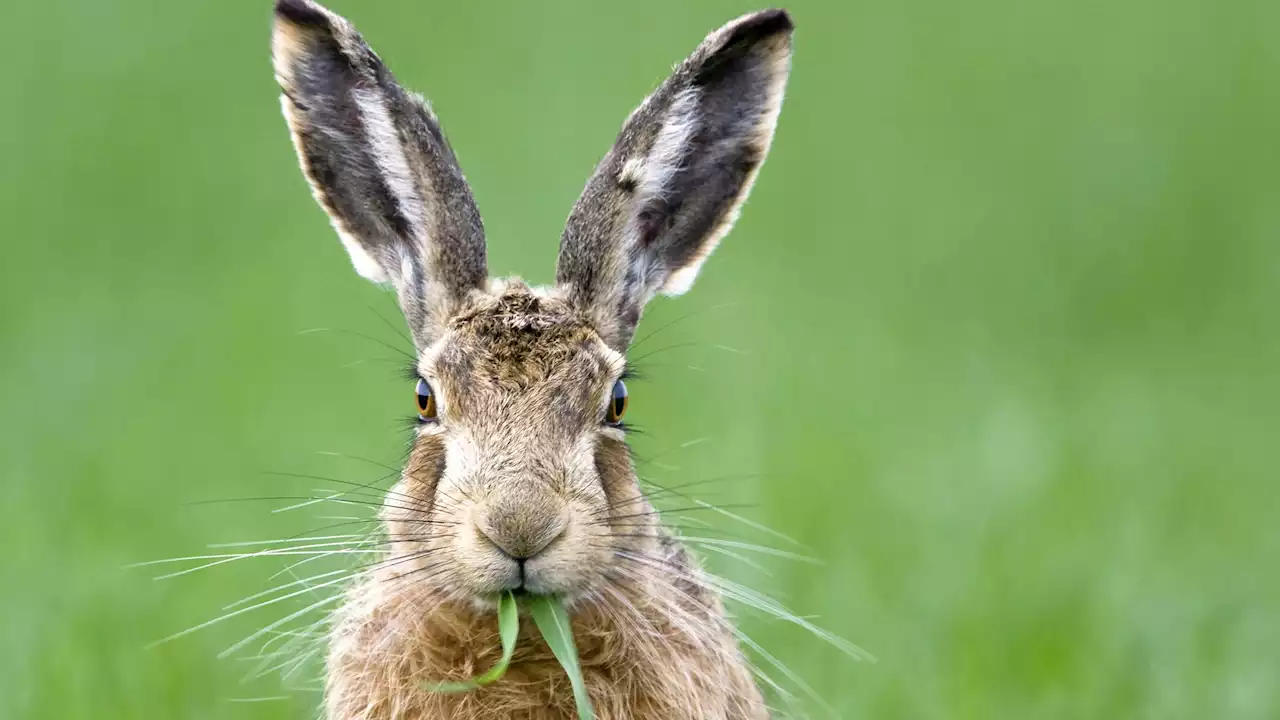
379,164
674,180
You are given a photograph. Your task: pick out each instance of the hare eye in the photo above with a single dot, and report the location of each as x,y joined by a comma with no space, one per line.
617,402
426,401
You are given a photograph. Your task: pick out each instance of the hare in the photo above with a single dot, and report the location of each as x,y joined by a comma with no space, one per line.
519,477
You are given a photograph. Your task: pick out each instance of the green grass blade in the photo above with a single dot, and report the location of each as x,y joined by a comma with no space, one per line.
508,628
553,622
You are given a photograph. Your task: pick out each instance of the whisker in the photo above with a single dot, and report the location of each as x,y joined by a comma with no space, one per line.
250,543
737,556
291,616
675,322
760,601
311,500
790,674
370,338
398,333
674,448
676,511
374,489
222,558
752,547
667,348
752,598
368,461
720,509
241,611
285,586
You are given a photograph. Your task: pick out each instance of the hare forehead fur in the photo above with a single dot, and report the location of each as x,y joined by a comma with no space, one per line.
521,347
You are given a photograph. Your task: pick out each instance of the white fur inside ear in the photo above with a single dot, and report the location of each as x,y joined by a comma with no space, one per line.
680,281
365,265
671,146
388,153
632,172
652,173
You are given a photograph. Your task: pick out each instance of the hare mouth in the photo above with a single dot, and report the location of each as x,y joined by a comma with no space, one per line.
535,576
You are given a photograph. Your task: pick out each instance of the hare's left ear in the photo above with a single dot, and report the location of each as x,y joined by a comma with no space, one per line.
379,164
680,169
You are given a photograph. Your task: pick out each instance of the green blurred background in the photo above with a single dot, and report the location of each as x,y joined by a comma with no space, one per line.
997,337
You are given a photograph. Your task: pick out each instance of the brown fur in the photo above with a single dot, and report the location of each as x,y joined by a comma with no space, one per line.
394,636
521,480
652,644
635,667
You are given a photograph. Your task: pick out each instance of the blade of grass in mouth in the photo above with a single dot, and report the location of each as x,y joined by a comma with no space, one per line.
552,621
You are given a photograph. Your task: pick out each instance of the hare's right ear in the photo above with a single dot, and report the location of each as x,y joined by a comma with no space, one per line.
672,184
379,164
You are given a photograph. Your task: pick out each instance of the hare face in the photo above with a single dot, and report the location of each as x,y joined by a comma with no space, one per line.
520,464
517,480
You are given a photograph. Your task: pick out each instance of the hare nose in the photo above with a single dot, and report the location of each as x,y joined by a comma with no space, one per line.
520,533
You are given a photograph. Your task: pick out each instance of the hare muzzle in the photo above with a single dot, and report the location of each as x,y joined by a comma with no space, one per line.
517,534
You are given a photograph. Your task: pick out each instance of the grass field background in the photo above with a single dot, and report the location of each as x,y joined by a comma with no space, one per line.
997,337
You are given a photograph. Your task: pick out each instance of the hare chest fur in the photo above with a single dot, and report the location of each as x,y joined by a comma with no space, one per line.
519,477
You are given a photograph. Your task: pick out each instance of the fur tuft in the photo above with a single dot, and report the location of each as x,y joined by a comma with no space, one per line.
649,653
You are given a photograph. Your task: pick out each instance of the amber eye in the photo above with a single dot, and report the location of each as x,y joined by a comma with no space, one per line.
426,401
617,402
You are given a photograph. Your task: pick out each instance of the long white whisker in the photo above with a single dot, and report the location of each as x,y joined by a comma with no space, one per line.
733,591
288,569
739,557
691,626
781,667
763,549
760,601
241,611
292,640
314,501
226,558
278,588
750,523
282,541
234,556
290,650
287,618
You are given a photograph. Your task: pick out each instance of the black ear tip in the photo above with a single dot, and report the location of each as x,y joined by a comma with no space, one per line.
749,30
303,13
766,22
779,20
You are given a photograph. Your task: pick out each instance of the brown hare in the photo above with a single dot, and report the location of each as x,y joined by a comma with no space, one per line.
520,477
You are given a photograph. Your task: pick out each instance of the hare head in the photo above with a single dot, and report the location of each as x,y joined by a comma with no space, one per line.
519,477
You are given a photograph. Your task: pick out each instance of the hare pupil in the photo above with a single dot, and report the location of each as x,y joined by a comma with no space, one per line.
426,404
619,404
